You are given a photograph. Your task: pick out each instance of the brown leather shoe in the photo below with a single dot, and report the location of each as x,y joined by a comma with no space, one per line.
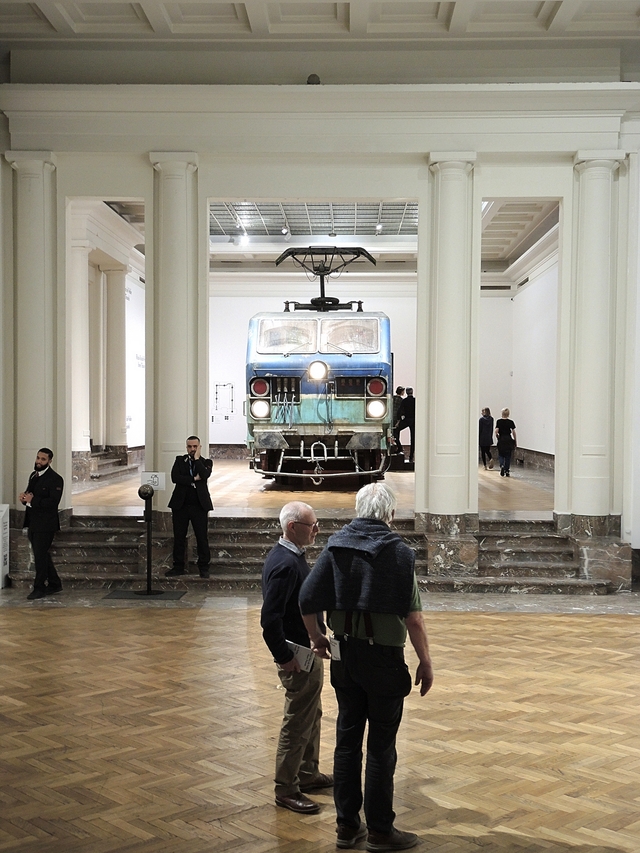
298,803
322,780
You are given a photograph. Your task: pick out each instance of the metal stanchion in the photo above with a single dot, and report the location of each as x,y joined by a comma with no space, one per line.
146,493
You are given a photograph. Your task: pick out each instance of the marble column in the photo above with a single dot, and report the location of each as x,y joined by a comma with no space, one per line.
593,344
116,358
178,303
37,366
78,317
451,497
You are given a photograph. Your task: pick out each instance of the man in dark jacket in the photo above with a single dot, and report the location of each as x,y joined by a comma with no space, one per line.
284,571
408,420
41,499
191,502
365,580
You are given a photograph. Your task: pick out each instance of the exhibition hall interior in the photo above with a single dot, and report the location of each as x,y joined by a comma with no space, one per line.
251,222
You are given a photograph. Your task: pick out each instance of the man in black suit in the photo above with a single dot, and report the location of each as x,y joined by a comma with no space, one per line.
408,419
41,499
190,502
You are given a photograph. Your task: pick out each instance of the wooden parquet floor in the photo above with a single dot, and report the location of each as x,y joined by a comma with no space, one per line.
153,730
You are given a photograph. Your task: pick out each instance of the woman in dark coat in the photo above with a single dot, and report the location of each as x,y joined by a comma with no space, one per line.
507,441
485,439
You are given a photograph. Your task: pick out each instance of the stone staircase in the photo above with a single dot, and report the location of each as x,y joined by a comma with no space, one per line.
111,465
529,556
109,552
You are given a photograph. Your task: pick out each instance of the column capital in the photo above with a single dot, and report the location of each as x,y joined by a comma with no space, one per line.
161,159
461,159
114,267
19,159
589,159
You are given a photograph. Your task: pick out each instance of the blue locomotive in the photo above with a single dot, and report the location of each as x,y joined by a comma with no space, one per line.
319,386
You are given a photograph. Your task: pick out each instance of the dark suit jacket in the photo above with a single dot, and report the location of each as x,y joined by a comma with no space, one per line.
182,477
408,411
42,515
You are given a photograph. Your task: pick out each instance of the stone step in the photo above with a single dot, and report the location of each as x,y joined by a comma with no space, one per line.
532,586
498,556
526,570
102,535
503,538
110,472
519,526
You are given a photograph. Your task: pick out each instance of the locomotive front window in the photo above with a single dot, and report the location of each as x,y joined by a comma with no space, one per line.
353,335
287,336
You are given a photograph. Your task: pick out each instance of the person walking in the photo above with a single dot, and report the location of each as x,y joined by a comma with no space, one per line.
365,580
485,438
507,441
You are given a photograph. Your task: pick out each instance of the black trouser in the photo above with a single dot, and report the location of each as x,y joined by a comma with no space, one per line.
485,450
199,521
410,425
46,574
371,682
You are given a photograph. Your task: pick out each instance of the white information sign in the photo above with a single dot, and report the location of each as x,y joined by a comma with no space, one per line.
157,479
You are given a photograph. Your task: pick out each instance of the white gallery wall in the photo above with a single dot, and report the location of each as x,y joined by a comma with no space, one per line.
517,359
135,358
535,320
495,356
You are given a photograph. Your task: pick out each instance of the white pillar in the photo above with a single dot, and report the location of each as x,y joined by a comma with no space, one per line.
116,352
450,306
593,334
97,359
78,314
36,351
179,345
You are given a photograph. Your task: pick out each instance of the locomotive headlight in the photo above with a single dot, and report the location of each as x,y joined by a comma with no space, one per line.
260,409
376,408
318,371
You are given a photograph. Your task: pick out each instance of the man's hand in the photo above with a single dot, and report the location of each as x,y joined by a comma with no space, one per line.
197,453
25,497
424,677
290,666
321,647
319,642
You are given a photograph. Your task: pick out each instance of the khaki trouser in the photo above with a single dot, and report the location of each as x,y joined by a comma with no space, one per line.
299,742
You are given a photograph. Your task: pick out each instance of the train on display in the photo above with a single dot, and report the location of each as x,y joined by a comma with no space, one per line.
319,383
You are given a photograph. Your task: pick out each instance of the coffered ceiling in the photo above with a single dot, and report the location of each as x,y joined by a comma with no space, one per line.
255,20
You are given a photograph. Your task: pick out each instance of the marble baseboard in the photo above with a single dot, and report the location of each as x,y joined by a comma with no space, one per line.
80,466
606,559
446,525
583,526
534,459
228,451
452,556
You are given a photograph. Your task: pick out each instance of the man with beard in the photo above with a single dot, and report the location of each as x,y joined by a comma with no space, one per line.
41,499
191,502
